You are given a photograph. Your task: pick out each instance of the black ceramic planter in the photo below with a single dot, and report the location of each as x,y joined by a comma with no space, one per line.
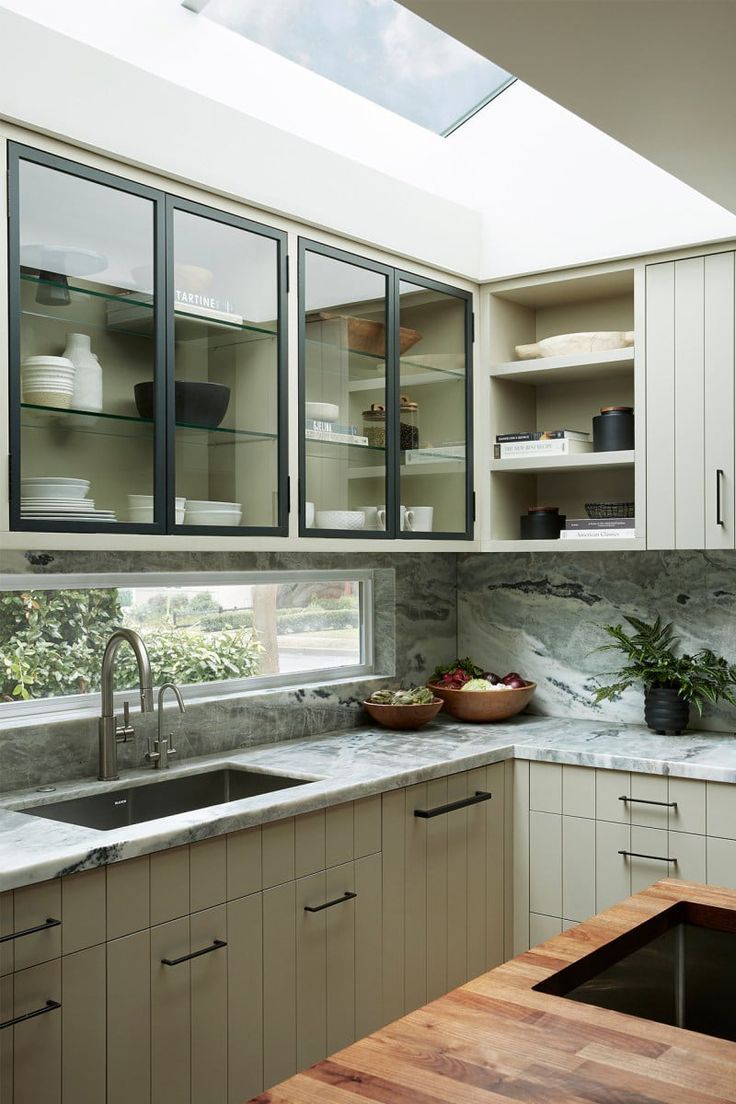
665,711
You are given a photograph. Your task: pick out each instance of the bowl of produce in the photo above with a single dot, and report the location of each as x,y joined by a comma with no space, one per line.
403,708
472,694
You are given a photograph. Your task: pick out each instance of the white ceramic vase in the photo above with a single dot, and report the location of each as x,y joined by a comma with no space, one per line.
88,374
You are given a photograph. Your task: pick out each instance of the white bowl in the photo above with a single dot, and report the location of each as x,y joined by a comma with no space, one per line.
205,517
204,504
322,412
53,487
136,501
340,519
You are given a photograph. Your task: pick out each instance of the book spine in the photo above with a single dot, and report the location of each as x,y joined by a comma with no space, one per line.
330,427
597,534
544,435
540,448
581,524
336,438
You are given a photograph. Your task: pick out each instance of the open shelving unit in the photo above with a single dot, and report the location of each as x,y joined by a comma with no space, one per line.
562,392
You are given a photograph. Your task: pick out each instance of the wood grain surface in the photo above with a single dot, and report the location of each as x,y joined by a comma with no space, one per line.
496,1039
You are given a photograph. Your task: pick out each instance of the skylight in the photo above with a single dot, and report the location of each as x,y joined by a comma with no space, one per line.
376,48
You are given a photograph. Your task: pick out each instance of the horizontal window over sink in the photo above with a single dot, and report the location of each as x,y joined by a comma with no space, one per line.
211,633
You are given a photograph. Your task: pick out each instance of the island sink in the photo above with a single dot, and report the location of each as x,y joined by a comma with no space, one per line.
677,968
151,800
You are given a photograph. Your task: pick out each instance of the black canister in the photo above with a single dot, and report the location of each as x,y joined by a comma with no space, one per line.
613,429
542,523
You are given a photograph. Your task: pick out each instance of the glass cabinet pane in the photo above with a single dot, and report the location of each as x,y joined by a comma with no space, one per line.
84,335
344,408
226,368
433,411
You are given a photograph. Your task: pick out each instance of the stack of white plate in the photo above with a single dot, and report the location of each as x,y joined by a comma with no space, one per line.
47,381
57,498
204,512
140,509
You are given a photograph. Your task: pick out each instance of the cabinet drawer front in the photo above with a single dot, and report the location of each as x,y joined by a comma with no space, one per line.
34,906
367,826
721,862
545,787
37,1042
649,859
612,873
209,981
721,809
689,851
208,873
649,801
688,812
578,791
245,997
83,910
83,1026
244,866
170,1014
128,897
278,852
578,868
7,927
129,1019
545,863
169,885
610,787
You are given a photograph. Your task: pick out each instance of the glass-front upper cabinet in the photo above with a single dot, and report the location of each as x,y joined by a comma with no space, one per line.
147,360
385,401
83,337
229,452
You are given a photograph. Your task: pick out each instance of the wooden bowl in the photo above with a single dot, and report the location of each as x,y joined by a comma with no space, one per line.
484,705
366,335
403,716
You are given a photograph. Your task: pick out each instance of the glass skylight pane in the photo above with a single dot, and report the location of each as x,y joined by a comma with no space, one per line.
376,48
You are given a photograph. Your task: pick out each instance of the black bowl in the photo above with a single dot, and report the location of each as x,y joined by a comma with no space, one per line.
202,404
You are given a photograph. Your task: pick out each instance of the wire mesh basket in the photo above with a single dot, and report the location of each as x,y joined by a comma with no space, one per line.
609,509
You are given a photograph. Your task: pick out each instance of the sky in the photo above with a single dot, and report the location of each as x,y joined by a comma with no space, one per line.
376,48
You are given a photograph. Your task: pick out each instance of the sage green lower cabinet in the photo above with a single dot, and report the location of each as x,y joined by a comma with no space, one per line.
37,1042
245,998
83,1026
129,1019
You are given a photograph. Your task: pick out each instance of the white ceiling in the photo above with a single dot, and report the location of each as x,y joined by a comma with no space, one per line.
658,75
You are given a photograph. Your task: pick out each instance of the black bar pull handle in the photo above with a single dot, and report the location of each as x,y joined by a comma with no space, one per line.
347,896
50,1006
645,801
195,954
720,475
639,855
50,923
439,810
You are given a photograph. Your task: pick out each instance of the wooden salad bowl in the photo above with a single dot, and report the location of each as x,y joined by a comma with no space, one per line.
484,705
404,716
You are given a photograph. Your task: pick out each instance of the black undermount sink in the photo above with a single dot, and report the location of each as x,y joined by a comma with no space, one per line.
677,968
155,799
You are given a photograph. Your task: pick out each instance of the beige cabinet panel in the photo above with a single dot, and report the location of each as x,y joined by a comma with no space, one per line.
245,998
339,829
279,982
311,969
367,826
495,825
309,843
542,928
688,815
37,1042
545,787
437,889
721,862
578,791
646,791
476,869
660,415
34,905
690,852
209,1009
610,787
340,961
368,949
545,863
128,897
7,927
277,842
457,883
689,385
578,868
83,1026
520,857
415,898
612,873
6,1040
129,1019
83,909
393,813
171,1033
652,843
721,809
207,873
244,870
719,398
169,885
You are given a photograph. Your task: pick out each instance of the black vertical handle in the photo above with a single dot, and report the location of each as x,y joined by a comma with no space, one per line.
719,478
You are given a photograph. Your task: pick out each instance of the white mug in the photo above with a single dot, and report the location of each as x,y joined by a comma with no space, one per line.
419,519
371,517
309,514
382,517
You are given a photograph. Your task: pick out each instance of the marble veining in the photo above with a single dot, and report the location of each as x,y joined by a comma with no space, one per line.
343,766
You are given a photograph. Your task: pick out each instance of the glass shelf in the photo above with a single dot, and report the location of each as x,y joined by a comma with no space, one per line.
126,425
363,367
334,447
82,323
109,296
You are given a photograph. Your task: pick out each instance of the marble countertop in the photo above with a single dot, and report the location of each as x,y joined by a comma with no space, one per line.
336,767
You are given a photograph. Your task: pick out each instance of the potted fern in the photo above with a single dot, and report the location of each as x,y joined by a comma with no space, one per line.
672,683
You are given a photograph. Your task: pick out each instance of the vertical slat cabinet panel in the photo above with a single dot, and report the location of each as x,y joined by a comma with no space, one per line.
309,843
719,401
279,983
169,885
578,792
578,868
6,1040
660,405
612,873
367,826
33,905
690,853
129,1019
721,862
339,830
171,1031
209,974
7,927
520,854
37,1042
542,928
393,827
649,807
688,815
368,948
84,910
83,1026
207,873
277,843
437,887
721,809
340,959
128,897
245,998
610,787
653,843
457,883
244,868
545,787
545,863
689,403
415,899
311,995
476,875
495,864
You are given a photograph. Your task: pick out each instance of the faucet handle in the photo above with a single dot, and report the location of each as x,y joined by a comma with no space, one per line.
125,731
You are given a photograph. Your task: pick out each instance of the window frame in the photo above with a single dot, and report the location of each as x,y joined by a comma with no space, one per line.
73,706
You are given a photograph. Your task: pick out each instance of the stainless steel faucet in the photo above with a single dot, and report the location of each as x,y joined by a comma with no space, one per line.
111,733
163,746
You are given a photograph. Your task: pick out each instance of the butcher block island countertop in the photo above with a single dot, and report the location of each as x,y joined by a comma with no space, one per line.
496,1039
